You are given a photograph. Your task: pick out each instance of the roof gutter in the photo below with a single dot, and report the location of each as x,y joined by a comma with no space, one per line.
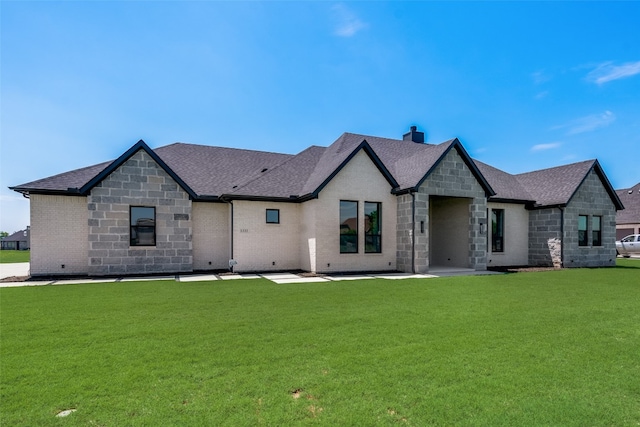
555,205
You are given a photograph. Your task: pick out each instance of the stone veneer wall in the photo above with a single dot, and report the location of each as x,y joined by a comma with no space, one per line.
404,233
140,181
590,199
544,224
451,178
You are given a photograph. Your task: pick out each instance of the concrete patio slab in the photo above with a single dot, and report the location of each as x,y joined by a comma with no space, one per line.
145,279
397,276
14,269
239,276
198,278
280,276
299,279
81,281
22,269
23,284
339,278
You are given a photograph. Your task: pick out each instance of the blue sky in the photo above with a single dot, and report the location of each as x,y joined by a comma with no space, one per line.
523,85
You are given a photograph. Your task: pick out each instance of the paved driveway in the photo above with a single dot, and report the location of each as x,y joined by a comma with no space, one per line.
17,269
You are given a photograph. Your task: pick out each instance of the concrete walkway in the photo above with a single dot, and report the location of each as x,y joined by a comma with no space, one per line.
16,269
22,269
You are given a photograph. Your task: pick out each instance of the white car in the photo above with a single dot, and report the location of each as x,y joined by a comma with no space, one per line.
628,246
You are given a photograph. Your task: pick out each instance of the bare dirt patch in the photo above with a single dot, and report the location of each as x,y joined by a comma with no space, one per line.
14,279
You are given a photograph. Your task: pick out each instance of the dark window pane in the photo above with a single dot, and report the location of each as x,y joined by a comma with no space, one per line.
597,231
372,244
348,243
497,230
143,226
348,226
583,239
372,225
273,216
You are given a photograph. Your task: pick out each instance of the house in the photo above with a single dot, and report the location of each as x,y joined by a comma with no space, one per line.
628,220
363,203
18,241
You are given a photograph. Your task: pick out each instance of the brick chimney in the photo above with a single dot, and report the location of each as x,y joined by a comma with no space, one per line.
414,135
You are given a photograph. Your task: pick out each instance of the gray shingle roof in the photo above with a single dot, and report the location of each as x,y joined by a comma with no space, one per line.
284,180
64,181
334,157
506,186
630,198
18,236
212,172
555,186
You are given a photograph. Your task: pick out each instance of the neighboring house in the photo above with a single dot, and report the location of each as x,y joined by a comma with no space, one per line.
628,220
363,203
18,241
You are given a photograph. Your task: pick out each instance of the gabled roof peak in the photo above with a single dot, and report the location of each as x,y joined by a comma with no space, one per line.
140,145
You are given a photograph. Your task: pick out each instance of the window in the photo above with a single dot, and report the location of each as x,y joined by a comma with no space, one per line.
596,231
497,230
273,216
372,235
348,227
143,226
582,231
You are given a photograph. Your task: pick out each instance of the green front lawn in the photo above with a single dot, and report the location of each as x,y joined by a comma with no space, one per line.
14,256
547,348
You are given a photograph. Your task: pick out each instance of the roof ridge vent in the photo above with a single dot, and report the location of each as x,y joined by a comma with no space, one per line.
414,135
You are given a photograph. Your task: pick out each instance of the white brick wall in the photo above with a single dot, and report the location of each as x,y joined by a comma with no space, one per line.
359,180
308,241
307,237
58,235
516,236
211,245
259,246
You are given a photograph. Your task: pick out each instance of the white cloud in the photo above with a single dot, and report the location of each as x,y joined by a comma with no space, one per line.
347,23
542,95
543,147
607,72
588,123
540,77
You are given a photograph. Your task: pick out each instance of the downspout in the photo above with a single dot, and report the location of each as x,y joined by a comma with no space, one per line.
231,264
413,232
561,236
